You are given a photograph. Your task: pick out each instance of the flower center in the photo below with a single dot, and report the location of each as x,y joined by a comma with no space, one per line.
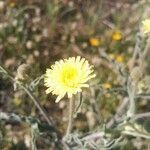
68,76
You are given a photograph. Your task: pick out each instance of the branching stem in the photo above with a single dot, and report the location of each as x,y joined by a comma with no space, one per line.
33,98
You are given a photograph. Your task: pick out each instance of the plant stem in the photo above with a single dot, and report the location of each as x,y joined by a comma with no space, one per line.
147,48
37,104
131,89
33,139
70,122
33,98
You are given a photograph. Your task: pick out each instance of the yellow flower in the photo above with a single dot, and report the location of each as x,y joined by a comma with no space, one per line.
146,26
119,59
68,76
95,42
111,56
117,36
107,85
12,4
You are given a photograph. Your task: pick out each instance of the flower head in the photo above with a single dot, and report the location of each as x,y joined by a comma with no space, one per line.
146,26
68,76
119,58
95,42
116,36
107,85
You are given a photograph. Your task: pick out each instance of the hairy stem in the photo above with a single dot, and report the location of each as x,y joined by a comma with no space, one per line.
131,93
71,111
33,139
147,48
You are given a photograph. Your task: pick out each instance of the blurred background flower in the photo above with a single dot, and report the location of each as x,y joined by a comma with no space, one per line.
146,26
117,35
95,42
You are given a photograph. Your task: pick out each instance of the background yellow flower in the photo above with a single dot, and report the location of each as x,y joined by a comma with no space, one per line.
117,36
146,26
68,76
107,85
119,59
95,42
